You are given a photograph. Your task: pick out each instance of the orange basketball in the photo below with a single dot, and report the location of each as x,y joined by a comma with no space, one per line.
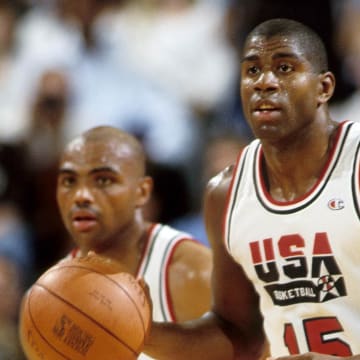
87,308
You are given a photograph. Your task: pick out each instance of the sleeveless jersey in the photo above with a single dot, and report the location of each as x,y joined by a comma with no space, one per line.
302,256
154,265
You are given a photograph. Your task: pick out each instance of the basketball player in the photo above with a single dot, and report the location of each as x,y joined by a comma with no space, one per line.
284,221
101,189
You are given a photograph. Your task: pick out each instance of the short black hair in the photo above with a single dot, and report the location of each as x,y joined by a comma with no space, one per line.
308,39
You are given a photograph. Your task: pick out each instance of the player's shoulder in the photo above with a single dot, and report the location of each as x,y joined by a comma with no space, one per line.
170,233
191,257
190,247
355,129
182,239
221,181
350,128
185,247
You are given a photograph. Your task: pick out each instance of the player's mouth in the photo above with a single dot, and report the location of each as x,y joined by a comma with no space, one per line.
266,110
83,221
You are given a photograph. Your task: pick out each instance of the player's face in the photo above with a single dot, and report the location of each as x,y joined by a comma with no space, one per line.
98,191
279,87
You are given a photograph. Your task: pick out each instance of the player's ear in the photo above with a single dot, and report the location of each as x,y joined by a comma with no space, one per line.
144,190
326,87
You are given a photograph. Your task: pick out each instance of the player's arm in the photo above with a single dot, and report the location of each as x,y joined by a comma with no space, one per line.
200,339
189,280
233,329
235,299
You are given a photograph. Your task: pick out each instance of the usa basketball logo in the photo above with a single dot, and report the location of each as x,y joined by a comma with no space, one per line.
330,287
336,204
298,275
326,283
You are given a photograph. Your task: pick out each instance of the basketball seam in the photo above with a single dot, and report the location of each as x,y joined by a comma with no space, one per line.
113,281
88,317
38,330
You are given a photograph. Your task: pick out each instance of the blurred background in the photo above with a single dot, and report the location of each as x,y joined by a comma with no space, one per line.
164,70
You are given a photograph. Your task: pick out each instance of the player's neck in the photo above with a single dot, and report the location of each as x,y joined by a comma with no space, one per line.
128,246
291,171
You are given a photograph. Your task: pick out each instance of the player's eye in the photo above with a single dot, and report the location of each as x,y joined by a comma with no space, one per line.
252,70
103,181
67,181
285,68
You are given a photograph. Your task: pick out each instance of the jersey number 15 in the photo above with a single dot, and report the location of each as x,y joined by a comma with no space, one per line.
316,331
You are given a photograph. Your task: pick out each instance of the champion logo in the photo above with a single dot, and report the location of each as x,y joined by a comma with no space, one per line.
336,204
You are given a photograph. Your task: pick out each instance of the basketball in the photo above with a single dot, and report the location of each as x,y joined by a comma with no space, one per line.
87,308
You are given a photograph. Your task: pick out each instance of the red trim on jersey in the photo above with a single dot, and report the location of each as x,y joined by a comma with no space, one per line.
167,280
74,252
228,196
146,248
359,176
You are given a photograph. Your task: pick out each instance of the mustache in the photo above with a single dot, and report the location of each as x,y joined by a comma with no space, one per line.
83,211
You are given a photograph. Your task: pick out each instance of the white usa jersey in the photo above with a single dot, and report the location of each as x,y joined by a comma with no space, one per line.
160,245
302,256
154,268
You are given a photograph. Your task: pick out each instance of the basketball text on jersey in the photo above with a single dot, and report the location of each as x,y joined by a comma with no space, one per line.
314,279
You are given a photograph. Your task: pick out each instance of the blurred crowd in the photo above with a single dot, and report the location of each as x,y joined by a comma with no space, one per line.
164,70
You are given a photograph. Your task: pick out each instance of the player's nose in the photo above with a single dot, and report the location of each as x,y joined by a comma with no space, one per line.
83,196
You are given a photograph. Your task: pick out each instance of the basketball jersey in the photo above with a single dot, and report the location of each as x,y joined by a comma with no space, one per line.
302,256
154,269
